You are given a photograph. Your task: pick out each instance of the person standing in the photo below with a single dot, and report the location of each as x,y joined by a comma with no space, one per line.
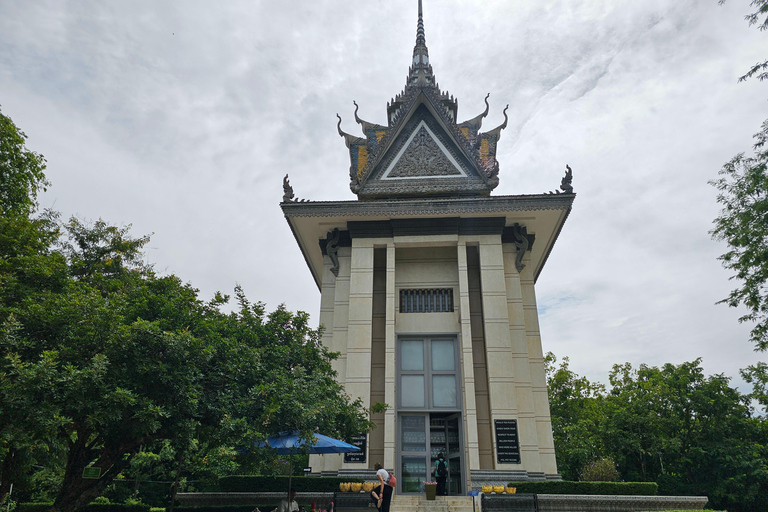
441,474
289,504
386,486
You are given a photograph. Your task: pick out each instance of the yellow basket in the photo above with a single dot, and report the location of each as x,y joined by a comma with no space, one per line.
498,489
356,486
487,489
344,486
511,490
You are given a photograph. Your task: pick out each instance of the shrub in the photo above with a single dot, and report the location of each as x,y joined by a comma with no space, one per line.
600,470
609,488
94,507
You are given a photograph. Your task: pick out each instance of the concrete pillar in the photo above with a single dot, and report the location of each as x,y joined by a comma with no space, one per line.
498,346
358,364
335,297
390,428
526,417
340,329
540,399
467,366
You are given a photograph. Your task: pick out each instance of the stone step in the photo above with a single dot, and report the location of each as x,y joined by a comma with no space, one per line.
439,504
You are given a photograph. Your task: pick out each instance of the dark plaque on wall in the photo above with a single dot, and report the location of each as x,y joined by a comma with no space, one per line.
358,456
507,443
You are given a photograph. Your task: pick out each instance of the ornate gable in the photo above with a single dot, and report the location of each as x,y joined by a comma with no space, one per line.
423,151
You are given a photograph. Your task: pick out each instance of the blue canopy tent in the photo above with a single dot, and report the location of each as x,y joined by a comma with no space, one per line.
288,443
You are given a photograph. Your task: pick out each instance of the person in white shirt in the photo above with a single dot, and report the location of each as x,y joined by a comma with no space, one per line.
385,489
289,504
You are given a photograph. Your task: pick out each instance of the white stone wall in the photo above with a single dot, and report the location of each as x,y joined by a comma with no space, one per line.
498,333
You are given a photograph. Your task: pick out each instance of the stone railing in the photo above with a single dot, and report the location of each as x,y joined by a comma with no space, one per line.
586,503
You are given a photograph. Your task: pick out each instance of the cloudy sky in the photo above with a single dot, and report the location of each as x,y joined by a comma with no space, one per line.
181,118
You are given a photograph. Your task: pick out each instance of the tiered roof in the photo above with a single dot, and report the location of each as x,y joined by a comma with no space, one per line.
423,151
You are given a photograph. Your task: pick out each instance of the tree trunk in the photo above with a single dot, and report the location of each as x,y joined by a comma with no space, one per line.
175,488
7,472
76,491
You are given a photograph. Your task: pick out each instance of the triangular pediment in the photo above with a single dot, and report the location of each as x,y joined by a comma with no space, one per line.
423,155
424,158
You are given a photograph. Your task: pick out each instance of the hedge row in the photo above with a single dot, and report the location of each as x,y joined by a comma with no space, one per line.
247,483
609,488
42,507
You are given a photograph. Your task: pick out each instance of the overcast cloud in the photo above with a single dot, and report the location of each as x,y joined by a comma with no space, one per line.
182,117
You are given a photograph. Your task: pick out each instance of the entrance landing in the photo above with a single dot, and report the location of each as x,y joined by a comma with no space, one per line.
404,503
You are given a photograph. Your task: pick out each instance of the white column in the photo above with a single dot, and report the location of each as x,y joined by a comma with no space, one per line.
358,364
467,365
498,346
327,301
526,419
390,395
336,292
540,399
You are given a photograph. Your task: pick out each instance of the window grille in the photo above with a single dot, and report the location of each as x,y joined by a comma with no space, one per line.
433,300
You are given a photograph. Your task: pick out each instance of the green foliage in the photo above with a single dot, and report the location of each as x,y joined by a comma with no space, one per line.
7,504
21,171
247,483
600,470
98,507
692,434
754,18
743,225
607,488
576,407
101,357
757,375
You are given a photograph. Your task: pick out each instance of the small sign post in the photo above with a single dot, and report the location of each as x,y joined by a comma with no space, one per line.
92,472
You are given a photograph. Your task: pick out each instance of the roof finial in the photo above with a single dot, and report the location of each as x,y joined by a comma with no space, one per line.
420,38
421,71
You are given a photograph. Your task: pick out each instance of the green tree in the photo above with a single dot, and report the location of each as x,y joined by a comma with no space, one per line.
576,408
757,375
760,70
743,225
22,172
28,265
690,433
743,220
121,358
100,356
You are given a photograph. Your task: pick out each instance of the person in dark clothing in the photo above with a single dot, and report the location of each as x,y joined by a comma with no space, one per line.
441,474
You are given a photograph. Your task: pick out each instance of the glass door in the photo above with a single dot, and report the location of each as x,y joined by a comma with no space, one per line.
428,407
453,454
413,448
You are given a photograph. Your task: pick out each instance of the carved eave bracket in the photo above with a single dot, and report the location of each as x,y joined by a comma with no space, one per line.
288,195
287,190
332,250
566,183
520,237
